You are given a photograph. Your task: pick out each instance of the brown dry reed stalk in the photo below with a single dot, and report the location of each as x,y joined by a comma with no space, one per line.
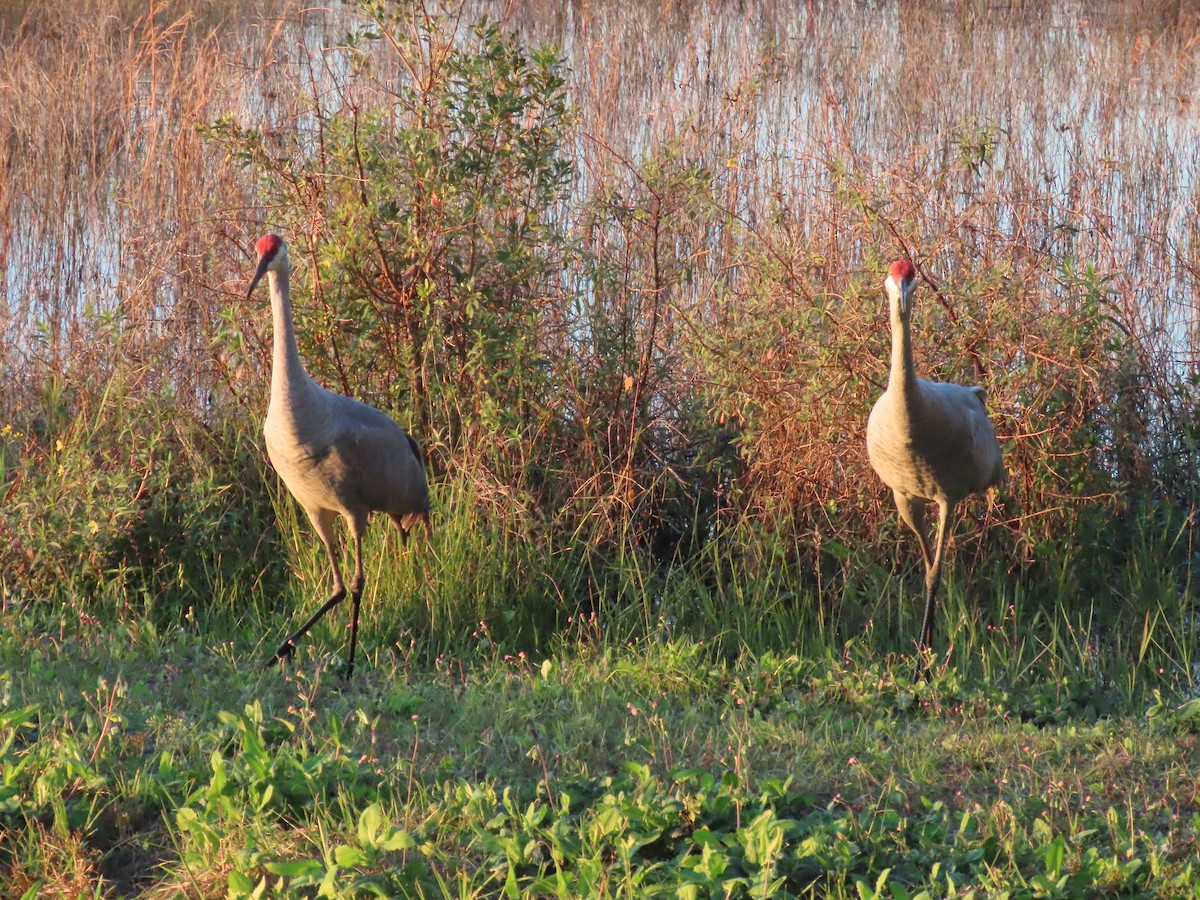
716,334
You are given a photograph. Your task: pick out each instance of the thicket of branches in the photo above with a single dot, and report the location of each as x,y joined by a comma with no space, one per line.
631,317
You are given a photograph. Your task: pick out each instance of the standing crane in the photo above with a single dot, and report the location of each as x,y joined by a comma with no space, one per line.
336,455
930,442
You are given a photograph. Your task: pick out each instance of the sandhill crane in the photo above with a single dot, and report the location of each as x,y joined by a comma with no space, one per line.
929,442
336,455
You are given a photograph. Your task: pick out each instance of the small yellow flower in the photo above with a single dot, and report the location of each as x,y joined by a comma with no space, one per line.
62,470
58,445
6,431
94,526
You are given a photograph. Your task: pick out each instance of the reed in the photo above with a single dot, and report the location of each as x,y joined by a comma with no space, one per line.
630,301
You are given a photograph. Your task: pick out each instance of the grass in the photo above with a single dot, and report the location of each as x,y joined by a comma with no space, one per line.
139,762
531,718
660,743
627,295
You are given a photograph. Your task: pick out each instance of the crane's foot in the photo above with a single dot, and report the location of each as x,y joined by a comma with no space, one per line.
285,652
924,667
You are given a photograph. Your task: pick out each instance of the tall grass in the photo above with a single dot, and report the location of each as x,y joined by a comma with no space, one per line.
629,300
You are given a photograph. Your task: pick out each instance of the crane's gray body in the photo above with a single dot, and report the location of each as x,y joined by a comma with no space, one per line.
336,455
930,442
935,442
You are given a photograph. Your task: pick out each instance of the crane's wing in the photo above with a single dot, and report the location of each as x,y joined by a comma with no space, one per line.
960,436
383,463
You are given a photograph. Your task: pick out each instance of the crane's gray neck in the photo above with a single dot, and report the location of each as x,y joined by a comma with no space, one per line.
903,375
287,372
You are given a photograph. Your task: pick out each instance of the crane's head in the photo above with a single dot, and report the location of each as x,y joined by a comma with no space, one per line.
901,283
272,257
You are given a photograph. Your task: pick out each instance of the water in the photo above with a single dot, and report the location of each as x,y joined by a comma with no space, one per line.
1093,116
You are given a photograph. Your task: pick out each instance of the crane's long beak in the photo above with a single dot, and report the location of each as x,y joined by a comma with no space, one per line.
893,289
262,268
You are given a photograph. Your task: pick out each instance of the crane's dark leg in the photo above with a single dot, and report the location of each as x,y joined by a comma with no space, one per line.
356,590
323,522
912,511
933,577
288,647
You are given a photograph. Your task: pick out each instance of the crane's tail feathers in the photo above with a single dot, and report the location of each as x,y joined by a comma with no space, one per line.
1000,476
416,449
409,521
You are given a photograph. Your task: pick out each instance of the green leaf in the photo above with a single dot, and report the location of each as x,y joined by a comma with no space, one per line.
348,857
370,824
294,868
1055,854
398,839
240,883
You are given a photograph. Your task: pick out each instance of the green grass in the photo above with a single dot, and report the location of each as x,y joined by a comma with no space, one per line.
661,641
614,760
538,714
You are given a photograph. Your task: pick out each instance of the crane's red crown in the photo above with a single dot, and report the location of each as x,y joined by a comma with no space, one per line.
268,245
901,270
270,249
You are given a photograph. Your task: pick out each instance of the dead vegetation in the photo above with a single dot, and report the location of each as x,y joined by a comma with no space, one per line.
711,332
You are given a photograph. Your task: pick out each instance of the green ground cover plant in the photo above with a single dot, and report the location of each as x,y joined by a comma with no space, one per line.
647,769
618,267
